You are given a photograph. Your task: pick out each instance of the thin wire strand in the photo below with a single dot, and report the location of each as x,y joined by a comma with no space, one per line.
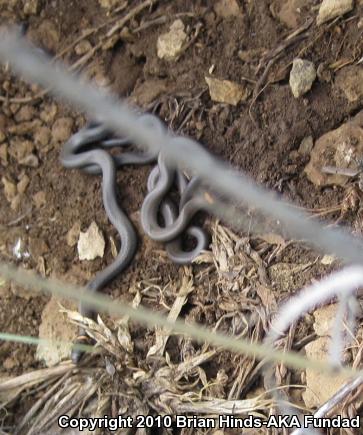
183,152
151,319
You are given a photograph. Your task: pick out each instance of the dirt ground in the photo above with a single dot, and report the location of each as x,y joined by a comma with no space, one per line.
41,201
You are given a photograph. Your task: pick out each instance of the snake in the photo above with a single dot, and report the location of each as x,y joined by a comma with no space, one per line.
88,150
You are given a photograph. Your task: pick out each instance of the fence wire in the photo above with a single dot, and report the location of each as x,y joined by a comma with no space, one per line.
180,151
221,177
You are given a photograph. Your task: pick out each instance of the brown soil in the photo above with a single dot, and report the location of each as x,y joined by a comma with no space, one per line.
260,137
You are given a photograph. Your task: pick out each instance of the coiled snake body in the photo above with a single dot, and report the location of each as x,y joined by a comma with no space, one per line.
86,150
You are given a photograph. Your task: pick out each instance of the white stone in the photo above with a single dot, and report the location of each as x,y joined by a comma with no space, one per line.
91,244
170,44
330,9
302,77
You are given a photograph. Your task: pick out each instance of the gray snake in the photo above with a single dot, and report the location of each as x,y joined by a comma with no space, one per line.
87,150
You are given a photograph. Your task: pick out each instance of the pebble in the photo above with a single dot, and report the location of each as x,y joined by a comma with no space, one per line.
42,136
330,9
350,81
335,148
108,4
302,77
26,113
225,91
91,244
40,199
73,234
62,129
49,113
169,45
9,189
2,136
227,8
20,148
10,363
83,47
23,184
31,7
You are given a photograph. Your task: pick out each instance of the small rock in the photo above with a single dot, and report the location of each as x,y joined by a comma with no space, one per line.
9,189
31,160
101,79
49,113
62,129
225,91
324,319
2,136
83,47
330,9
10,363
26,113
20,148
320,387
91,243
42,136
73,234
306,146
339,148
57,331
108,4
169,45
40,199
4,154
31,7
302,77
289,11
327,260
227,8
23,184
350,81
